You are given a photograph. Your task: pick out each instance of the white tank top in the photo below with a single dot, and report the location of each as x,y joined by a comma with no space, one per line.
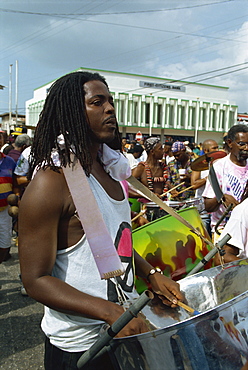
76,266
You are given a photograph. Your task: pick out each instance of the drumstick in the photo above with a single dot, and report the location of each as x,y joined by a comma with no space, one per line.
138,215
190,187
168,191
187,308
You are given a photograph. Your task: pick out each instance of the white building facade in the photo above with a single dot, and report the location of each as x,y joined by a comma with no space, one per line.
177,110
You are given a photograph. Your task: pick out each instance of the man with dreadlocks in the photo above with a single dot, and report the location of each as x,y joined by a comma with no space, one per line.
78,123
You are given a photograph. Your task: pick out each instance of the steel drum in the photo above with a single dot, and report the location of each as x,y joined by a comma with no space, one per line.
215,339
170,245
154,211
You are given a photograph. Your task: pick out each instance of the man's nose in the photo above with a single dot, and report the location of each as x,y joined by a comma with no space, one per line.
109,108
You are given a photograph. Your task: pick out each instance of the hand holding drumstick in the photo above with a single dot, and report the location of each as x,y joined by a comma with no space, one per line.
170,190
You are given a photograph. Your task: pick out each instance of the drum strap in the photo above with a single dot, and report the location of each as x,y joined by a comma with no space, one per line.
153,197
215,184
98,237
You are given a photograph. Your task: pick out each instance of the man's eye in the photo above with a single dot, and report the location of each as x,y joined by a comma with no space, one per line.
242,143
97,102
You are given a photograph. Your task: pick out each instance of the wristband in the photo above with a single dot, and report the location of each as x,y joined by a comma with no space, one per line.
153,271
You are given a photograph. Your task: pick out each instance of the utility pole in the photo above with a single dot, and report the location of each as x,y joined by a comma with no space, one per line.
10,97
16,98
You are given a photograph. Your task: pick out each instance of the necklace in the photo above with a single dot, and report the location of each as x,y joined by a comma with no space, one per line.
151,179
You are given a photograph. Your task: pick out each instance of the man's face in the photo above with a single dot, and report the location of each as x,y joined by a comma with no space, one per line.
100,111
1,140
137,154
239,147
179,155
212,147
167,149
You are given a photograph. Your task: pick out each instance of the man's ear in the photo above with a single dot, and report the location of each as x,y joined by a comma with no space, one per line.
229,143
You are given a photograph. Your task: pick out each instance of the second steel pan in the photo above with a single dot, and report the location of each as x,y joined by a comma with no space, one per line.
215,339
170,245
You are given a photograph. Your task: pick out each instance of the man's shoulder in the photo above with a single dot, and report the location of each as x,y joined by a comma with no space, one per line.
48,183
48,175
222,162
9,161
26,152
142,164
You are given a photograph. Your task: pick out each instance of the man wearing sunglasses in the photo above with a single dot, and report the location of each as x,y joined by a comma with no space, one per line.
232,173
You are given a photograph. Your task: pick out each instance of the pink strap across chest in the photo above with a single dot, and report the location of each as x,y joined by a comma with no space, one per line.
98,237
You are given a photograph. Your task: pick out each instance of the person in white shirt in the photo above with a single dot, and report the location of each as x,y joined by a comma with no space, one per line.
134,155
232,173
199,178
237,228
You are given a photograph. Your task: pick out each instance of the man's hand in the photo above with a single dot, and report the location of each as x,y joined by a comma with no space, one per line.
174,193
135,326
230,255
168,290
229,199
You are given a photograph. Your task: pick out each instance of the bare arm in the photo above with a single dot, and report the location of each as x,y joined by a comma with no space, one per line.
212,204
168,290
137,172
230,255
44,203
196,179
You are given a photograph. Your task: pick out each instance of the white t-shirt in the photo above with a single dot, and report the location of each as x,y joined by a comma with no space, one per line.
237,228
22,166
232,180
132,161
200,190
169,159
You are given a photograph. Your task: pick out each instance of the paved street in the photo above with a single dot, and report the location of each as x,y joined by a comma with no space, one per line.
21,339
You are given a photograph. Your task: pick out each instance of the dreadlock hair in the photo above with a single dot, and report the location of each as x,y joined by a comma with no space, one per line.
64,113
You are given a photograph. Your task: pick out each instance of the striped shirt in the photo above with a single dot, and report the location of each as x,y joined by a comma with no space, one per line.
7,166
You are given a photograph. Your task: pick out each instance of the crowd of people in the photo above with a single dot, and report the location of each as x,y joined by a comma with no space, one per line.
59,246
11,148
166,170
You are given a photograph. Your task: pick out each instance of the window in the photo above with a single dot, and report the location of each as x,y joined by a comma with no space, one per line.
147,113
159,114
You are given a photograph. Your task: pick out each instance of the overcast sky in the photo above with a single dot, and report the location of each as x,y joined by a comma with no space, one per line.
172,39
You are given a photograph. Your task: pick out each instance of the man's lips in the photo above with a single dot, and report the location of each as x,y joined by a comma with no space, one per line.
244,153
111,121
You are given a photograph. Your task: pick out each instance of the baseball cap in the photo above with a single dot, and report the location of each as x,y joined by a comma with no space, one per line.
19,130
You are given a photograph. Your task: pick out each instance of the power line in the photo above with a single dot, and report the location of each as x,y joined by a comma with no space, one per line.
222,74
205,73
200,74
114,13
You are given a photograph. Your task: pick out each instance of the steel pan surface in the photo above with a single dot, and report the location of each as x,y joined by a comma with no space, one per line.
217,338
170,245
